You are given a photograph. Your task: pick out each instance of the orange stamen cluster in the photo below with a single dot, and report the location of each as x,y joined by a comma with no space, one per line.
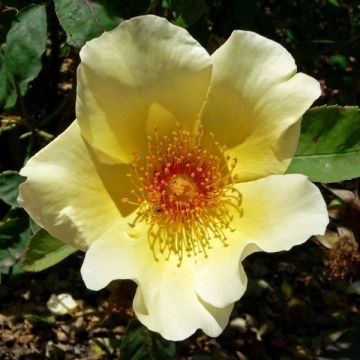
185,193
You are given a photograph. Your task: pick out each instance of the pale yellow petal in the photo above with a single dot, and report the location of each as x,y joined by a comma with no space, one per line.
144,72
220,278
166,300
123,255
218,318
281,211
255,103
63,192
173,307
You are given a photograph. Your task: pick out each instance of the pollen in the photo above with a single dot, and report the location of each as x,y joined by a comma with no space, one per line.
185,192
182,187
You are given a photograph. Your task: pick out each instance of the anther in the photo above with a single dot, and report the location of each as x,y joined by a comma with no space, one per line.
182,193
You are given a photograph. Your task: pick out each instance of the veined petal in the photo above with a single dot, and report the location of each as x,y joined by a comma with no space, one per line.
255,103
166,300
145,72
220,278
281,211
63,192
124,255
173,307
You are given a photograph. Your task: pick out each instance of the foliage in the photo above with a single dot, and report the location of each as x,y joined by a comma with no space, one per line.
139,343
21,55
329,148
45,251
83,21
39,53
9,187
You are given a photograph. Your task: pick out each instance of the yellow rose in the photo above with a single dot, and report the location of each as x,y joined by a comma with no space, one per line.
174,170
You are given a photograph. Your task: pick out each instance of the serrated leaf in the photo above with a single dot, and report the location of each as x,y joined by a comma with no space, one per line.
84,20
9,187
139,343
20,61
45,251
329,147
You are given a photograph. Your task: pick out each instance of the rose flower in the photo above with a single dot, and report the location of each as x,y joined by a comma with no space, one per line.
173,171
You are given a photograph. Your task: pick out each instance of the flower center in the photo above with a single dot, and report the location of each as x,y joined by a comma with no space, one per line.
182,187
185,193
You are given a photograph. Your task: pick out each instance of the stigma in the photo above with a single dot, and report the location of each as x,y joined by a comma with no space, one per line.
184,191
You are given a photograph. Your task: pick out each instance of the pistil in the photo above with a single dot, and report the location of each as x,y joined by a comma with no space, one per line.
184,193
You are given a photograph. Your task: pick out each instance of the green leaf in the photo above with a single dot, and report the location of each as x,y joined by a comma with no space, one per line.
10,231
329,147
85,20
20,61
45,251
7,89
139,343
9,187
14,239
340,61
333,3
7,260
42,318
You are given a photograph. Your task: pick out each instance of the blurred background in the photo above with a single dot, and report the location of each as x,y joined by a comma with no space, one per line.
303,304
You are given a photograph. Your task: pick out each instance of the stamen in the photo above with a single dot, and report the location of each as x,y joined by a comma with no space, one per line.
185,193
